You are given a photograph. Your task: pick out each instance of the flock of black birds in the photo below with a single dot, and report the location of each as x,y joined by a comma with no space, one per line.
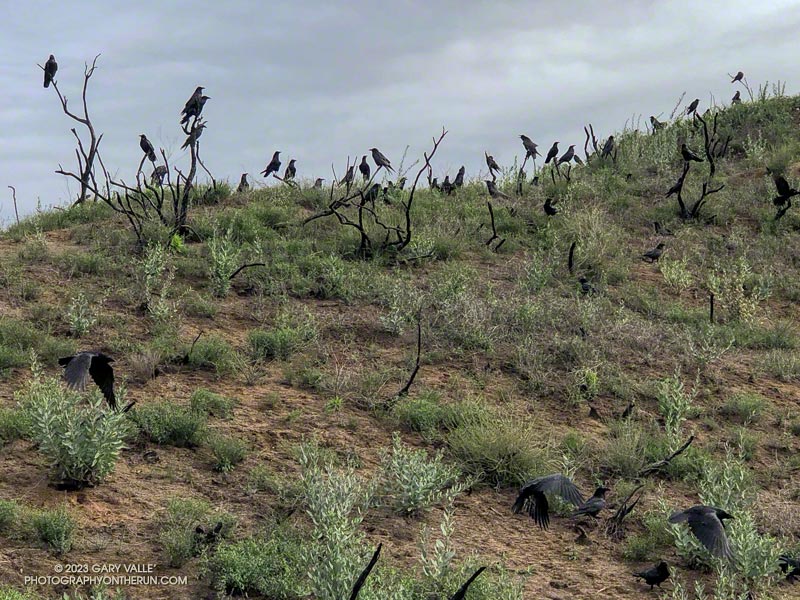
707,523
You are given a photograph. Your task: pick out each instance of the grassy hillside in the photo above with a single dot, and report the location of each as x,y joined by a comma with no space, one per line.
268,403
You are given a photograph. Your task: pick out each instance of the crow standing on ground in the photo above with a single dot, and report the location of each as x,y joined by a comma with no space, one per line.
364,168
688,155
533,496
785,191
608,148
553,153
693,106
147,148
50,68
243,184
656,124
706,523
568,155
494,192
530,147
654,254
594,504
193,136
459,180
549,209
78,369
273,165
738,77
492,164
737,98
654,576
381,160
290,171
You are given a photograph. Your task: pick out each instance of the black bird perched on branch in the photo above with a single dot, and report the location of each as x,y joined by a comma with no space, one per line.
552,153
348,177
608,147
737,98
706,523
656,124
533,496
194,105
273,165
549,209
194,135
290,171
785,191
381,160
693,106
193,99
568,155
78,369
364,168
530,147
318,183
491,163
654,254
50,68
462,591
147,147
654,576
738,77
494,192
676,187
689,155
158,174
244,185
459,180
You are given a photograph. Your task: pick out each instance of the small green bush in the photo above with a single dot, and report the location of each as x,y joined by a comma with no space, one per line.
209,403
8,593
178,528
228,452
170,424
745,407
55,528
284,340
214,353
9,510
14,425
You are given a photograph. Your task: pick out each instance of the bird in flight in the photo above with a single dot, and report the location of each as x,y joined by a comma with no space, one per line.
533,498
706,523
50,68
81,366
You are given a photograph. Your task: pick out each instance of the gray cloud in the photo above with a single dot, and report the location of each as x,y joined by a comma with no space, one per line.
321,81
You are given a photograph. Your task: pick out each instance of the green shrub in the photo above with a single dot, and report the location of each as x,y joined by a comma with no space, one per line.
209,403
8,593
14,425
649,545
745,407
178,528
81,317
228,452
9,510
272,565
170,424
224,253
81,440
284,340
412,482
213,352
55,528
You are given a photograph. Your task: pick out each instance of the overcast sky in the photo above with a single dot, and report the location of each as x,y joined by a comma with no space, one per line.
320,80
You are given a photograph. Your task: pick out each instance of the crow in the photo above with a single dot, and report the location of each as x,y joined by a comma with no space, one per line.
533,496
50,68
586,287
608,148
193,136
628,410
661,230
273,165
535,180
594,504
675,188
364,168
365,573
447,186
693,106
738,77
656,575
195,109
656,124
347,180
372,193
552,153
435,184
549,209
401,183
737,98
688,155
290,171
243,184
81,366
530,147
147,148
492,164
381,160
462,591
494,192
193,100
577,160
654,254
706,523
785,191
790,566
568,155
459,180
158,174
318,183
